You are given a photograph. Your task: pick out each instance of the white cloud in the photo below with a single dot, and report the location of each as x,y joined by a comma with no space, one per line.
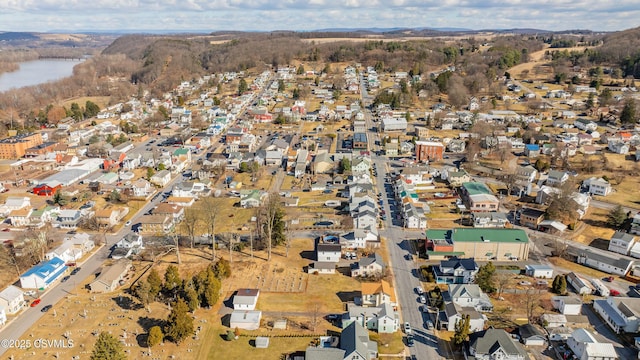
43,15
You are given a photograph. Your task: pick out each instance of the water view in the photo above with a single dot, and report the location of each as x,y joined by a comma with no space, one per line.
37,72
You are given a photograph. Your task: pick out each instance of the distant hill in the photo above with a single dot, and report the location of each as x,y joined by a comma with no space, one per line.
13,36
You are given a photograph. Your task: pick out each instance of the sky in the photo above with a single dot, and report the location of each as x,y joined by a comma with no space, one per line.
303,15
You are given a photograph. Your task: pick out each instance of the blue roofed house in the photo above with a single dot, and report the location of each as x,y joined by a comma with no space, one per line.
42,275
456,271
532,150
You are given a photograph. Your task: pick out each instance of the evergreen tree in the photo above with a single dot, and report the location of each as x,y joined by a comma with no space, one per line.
108,348
559,285
155,283
180,323
155,336
192,298
242,87
171,278
616,217
628,114
91,109
484,278
212,290
222,269
143,292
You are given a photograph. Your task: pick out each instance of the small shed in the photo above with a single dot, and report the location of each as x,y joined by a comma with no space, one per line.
246,320
262,342
280,324
539,271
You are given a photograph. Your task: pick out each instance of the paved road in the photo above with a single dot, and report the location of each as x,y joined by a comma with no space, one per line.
403,269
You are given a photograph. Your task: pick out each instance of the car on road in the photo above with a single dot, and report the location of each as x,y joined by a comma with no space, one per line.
46,308
419,290
608,279
35,302
64,279
614,292
410,341
422,299
75,271
406,327
423,308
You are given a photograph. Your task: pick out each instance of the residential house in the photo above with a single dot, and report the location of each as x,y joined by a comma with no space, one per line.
82,241
625,244
68,219
567,305
67,251
43,274
141,188
129,245
494,344
622,314
557,178
530,335
161,178
383,318
14,203
455,313
527,173
585,124
531,218
468,295
11,299
457,178
176,212
456,271
20,217
252,198
426,151
554,321
597,186
489,220
360,238
478,198
586,347
532,150
110,216
112,277
245,319
539,271
156,224
246,299
618,147
368,266
377,293
328,252
355,342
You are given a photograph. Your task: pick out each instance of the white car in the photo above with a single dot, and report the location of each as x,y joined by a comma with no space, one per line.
407,328
128,223
419,290
423,299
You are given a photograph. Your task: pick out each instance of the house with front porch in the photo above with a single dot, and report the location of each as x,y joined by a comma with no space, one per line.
383,318
468,295
456,271
377,293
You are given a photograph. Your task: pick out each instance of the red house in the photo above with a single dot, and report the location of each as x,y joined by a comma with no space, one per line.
46,190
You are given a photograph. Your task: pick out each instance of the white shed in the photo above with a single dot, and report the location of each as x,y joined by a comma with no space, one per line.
539,271
567,305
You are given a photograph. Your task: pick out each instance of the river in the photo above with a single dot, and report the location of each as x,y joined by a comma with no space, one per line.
37,72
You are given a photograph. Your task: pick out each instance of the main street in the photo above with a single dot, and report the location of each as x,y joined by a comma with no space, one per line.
399,247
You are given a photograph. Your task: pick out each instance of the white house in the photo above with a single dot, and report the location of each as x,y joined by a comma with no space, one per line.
328,252
455,313
161,178
66,251
495,344
360,238
245,319
585,347
42,275
468,295
383,319
597,186
623,243
622,314
567,305
557,178
82,241
539,271
11,299
246,299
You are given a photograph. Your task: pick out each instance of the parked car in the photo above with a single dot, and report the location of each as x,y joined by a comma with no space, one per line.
614,292
46,308
35,302
407,328
422,299
608,279
64,279
75,271
524,283
419,290
410,341
429,325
